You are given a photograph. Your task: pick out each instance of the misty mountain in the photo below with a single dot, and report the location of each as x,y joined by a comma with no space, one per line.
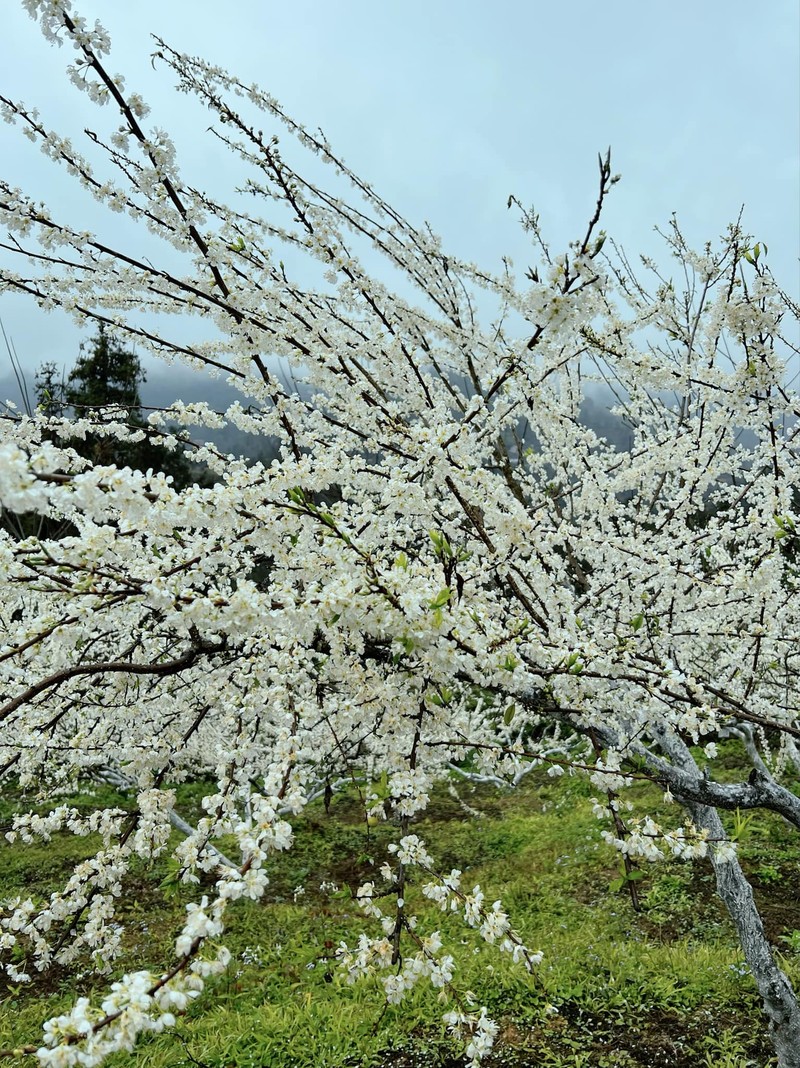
166,384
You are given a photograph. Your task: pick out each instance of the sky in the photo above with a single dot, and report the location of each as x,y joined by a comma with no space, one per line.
447,108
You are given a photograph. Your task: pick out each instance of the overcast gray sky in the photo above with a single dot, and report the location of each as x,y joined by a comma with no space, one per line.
448,107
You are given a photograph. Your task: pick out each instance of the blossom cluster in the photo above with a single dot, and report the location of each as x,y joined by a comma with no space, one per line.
373,955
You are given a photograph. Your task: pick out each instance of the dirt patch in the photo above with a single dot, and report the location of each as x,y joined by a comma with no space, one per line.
658,1039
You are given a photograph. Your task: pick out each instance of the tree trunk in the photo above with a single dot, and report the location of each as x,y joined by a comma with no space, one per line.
780,1001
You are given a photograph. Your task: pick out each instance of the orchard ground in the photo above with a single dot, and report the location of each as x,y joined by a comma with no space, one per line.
666,986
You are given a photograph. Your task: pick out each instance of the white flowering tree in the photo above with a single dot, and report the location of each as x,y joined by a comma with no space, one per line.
444,571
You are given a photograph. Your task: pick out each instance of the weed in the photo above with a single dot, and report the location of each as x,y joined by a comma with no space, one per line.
615,990
725,1050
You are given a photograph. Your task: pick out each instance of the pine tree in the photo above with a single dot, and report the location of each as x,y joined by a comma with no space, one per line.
106,373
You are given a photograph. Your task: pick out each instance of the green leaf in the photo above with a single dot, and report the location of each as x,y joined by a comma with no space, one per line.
441,598
380,788
170,884
574,664
637,621
785,526
441,546
441,697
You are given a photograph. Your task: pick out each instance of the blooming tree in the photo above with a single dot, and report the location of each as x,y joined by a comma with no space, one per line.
445,570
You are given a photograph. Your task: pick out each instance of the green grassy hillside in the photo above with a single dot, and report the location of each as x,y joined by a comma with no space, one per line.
665,986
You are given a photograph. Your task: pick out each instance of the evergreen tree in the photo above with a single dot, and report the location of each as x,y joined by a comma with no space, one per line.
49,386
107,373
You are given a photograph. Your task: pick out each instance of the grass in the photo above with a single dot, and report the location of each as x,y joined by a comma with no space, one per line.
666,986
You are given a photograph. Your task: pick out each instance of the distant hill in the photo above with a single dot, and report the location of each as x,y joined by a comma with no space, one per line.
166,384
161,388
